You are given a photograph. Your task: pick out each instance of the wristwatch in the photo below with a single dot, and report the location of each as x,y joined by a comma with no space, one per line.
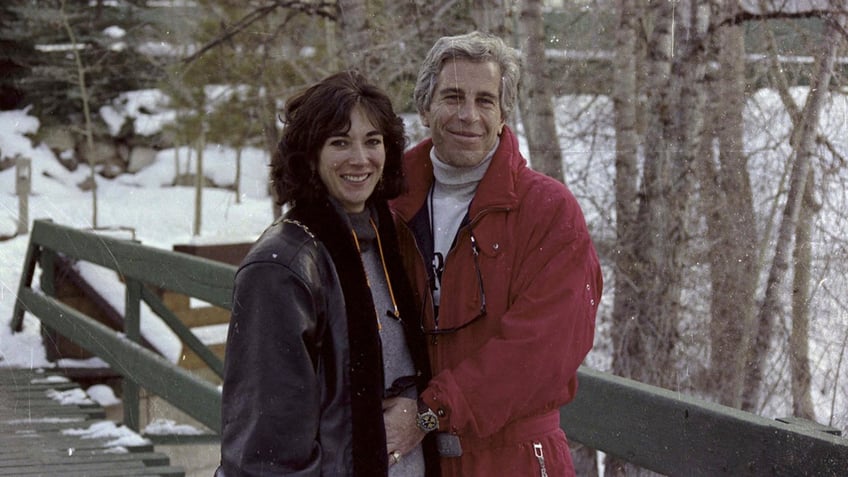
427,420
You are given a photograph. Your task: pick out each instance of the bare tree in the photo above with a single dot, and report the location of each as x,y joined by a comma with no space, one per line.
803,140
674,119
625,93
536,100
727,206
88,131
493,16
356,34
799,337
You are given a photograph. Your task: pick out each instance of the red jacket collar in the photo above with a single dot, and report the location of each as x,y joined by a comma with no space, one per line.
496,190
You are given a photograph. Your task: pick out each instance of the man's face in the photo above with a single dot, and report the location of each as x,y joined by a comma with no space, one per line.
465,115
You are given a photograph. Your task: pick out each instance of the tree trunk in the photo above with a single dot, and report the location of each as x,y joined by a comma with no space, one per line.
493,16
799,337
653,336
536,102
585,460
198,186
355,34
626,104
652,331
803,141
727,202
647,342
268,114
625,96
237,182
89,135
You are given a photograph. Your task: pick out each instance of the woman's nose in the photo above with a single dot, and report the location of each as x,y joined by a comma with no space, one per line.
359,154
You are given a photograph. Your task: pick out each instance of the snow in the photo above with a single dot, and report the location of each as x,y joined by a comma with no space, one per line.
143,204
52,379
121,436
143,107
159,427
103,395
71,397
44,420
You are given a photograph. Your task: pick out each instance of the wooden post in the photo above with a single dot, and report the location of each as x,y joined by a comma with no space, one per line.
23,185
132,328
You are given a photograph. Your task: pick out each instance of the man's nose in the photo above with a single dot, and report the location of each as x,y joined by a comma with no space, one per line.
468,111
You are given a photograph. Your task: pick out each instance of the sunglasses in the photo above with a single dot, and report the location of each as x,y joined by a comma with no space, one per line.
475,251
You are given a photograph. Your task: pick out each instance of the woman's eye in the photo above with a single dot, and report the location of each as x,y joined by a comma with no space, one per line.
338,142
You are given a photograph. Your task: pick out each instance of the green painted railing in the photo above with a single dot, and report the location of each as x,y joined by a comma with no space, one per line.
654,428
675,434
140,267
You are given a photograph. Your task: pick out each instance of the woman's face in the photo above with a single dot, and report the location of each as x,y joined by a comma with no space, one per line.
350,164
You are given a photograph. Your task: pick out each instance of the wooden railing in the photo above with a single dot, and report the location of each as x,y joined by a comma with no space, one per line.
654,428
143,269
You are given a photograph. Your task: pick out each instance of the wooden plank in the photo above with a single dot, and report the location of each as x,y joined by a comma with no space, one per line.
205,279
51,443
38,413
47,424
41,408
675,434
190,360
13,386
204,316
104,470
231,253
196,397
73,457
134,471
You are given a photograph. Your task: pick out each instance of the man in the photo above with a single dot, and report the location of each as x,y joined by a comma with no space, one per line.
507,275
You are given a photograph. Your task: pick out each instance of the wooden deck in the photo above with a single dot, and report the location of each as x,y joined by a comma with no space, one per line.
48,426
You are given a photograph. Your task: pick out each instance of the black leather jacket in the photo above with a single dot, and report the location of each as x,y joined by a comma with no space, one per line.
303,380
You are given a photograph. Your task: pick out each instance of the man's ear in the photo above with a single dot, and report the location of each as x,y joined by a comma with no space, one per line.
425,120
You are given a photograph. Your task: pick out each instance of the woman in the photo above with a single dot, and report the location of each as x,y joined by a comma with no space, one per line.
321,332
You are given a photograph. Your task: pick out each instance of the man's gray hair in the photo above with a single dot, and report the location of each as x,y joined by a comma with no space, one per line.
475,46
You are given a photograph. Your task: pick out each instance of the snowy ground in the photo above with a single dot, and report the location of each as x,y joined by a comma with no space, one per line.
160,216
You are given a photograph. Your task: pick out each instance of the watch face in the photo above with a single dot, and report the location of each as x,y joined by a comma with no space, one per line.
428,421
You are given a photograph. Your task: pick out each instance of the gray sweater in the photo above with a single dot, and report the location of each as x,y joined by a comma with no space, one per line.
397,362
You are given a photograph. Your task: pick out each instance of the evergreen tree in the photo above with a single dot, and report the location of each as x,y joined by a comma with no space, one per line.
37,50
16,52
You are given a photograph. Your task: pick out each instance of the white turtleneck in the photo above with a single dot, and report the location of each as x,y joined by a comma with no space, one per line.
450,197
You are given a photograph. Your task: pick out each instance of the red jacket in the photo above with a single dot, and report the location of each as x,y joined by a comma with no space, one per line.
499,382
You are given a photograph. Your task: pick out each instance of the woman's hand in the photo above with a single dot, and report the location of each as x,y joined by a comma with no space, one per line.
402,433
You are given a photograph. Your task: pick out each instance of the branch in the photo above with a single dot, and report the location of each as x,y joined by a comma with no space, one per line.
745,16
321,9
699,43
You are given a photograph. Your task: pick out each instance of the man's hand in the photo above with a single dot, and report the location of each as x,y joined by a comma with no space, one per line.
402,433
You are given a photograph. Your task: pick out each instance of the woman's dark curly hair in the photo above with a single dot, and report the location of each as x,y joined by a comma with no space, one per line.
321,111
